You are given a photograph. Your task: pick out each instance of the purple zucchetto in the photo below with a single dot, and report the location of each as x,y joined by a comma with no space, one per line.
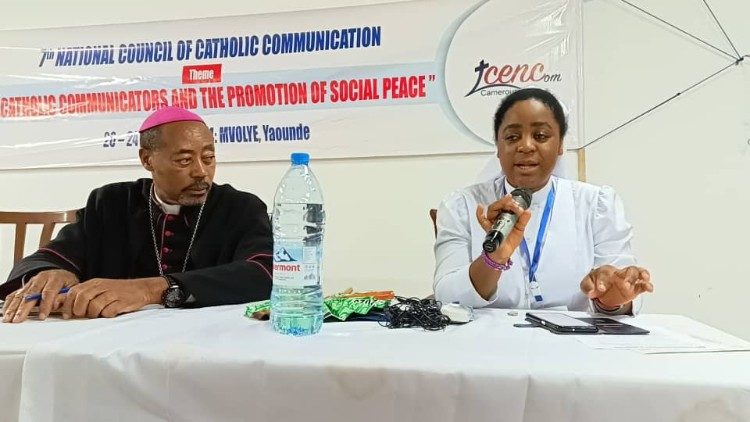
169,115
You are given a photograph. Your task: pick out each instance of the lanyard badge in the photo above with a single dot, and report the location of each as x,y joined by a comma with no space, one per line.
533,261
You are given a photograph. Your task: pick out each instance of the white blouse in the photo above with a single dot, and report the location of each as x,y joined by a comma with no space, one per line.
586,229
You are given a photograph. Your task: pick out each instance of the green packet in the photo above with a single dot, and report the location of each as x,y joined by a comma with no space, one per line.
255,307
339,307
342,308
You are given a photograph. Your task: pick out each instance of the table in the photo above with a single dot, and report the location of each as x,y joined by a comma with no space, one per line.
215,364
17,339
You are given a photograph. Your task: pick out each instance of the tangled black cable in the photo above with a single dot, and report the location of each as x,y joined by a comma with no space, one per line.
415,312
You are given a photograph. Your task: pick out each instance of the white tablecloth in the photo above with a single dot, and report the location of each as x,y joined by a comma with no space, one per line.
214,364
17,339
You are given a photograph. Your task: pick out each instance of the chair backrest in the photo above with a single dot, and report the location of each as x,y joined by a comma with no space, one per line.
22,219
433,216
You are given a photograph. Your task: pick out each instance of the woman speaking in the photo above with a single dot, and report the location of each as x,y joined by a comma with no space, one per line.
569,247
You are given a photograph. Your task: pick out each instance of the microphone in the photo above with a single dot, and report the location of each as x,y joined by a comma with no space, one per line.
505,221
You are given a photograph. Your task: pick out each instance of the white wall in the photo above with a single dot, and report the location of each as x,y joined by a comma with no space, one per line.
682,170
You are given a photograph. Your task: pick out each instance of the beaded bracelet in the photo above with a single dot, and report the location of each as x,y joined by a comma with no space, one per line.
599,308
496,265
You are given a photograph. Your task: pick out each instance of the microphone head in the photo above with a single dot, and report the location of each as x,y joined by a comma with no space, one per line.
492,241
522,196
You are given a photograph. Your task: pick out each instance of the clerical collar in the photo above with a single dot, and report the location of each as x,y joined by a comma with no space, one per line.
538,198
167,208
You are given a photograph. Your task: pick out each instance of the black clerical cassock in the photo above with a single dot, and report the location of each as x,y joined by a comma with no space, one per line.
229,261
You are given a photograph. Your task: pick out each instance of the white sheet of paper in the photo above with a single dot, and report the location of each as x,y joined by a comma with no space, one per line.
662,340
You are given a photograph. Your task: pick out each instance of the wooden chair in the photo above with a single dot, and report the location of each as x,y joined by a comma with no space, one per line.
47,219
433,216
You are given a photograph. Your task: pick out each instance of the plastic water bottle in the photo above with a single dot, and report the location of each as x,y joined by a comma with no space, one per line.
298,222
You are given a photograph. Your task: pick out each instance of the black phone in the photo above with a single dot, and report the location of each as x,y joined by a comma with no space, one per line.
613,326
561,323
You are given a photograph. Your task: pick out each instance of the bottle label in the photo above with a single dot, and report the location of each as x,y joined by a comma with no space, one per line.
294,264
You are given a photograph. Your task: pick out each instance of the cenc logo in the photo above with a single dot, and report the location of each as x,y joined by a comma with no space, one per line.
500,80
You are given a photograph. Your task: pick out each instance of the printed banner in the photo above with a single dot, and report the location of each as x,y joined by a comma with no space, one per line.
414,78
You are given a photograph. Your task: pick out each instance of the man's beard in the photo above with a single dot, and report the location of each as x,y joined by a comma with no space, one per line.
188,199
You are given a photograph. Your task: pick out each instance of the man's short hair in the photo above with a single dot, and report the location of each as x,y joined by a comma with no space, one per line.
151,138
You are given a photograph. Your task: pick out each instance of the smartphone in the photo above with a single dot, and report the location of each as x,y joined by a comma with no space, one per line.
561,323
611,326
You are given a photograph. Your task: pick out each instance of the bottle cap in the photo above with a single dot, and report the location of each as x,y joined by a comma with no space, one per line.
300,158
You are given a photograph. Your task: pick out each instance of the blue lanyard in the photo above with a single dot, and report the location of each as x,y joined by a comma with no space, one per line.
541,236
533,263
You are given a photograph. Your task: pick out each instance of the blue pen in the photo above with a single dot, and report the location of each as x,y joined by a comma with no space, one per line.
38,296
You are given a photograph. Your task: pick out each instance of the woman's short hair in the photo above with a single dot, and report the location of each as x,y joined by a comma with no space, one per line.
542,95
